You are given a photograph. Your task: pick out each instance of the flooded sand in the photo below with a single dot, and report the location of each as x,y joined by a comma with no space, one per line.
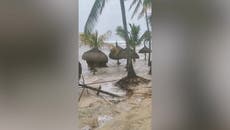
104,112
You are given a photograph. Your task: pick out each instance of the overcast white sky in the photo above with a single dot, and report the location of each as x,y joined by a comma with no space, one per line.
110,18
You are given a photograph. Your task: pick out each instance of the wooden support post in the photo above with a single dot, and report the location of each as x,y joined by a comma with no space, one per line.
81,94
98,92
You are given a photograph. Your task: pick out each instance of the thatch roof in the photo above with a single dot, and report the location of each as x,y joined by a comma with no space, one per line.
145,50
124,54
115,53
95,55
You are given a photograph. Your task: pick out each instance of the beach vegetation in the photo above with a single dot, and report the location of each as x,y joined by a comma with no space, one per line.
131,78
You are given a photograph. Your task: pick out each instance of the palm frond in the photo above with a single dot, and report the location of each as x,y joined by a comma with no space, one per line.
141,14
135,30
106,35
132,4
138,6
147,3
146,36
120,31
93,39
94,15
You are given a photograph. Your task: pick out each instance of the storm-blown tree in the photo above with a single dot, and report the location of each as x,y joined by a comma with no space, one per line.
130,69
145,6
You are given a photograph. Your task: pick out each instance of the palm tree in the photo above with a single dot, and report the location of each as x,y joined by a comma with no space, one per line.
95,12
130,69
146,5
134,36
134,39
94,40
99,5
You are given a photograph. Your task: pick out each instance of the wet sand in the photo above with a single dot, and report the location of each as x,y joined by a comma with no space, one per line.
104,112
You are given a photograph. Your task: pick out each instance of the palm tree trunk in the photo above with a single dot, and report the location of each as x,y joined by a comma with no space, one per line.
131,72
134,49
118,62
147,23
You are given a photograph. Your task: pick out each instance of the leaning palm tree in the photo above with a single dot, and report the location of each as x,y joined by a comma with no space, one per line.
131,78
130,69
146,6
94,57
95,12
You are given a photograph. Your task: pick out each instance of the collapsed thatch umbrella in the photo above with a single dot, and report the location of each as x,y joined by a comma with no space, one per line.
115,53
124,54
145,50
95,58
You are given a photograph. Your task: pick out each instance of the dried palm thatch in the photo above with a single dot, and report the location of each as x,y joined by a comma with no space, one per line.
115,53
124,54
145,50
95,58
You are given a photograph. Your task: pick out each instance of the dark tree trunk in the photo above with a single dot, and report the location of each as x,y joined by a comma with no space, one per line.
118,62
131,72
150,70
147,24
134,58
79,70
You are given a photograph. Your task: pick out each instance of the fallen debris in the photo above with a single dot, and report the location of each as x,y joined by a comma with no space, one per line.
98,90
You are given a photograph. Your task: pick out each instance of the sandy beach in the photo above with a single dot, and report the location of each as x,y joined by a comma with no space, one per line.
104,112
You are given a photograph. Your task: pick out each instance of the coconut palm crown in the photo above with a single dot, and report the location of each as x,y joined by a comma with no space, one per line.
93,39
134,38
95,12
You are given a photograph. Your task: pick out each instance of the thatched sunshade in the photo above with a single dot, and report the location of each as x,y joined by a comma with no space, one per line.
145,50
115,53
95,58
124,54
